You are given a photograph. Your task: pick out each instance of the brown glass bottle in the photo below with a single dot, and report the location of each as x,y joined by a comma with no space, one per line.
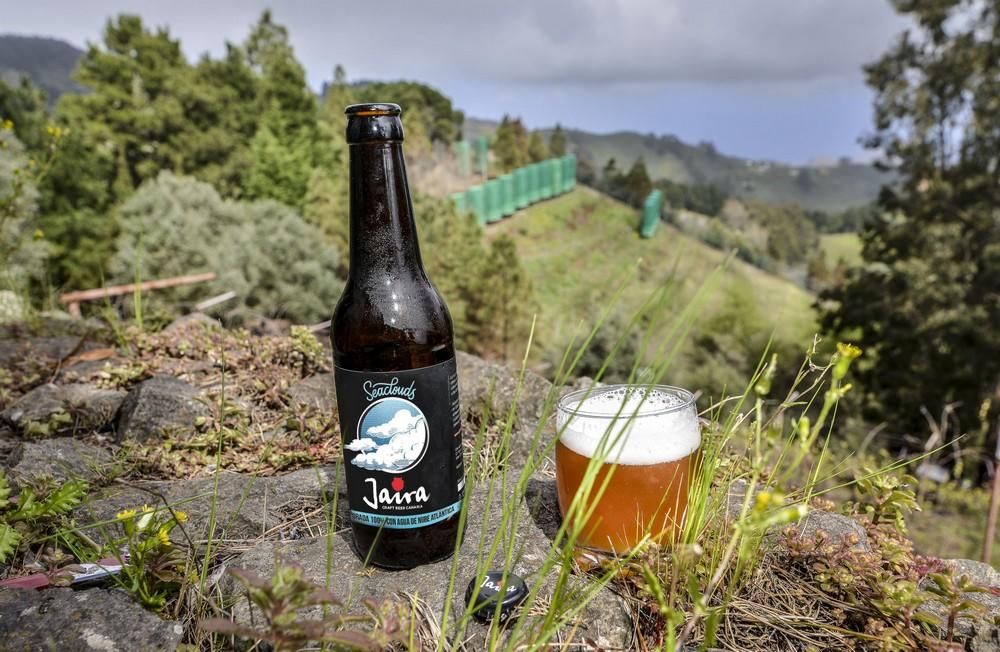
394,363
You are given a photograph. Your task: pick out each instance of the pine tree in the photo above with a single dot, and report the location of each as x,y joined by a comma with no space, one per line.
924,303
221,102
501,315
636,183
287,145
327,207
132,105
537,149
510,144
23,104
418,140
557,141
451,246
281,168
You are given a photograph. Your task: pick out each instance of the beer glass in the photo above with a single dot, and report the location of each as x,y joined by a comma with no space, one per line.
643,440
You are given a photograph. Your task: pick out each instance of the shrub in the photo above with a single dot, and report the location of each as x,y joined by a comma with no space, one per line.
276,263
22,254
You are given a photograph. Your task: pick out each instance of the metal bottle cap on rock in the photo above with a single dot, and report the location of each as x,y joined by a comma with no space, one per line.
483,597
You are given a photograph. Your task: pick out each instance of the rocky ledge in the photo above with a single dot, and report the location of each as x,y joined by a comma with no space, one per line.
132,425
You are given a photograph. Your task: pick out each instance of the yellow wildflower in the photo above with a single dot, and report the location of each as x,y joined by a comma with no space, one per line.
146,509
7,125
164,537
767,499
842,359
180,517
761,501
125,514
847,350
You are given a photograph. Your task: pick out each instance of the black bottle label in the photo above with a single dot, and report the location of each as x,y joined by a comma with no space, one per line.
402,445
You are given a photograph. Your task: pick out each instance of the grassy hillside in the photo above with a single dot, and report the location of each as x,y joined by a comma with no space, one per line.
841,246
831,188
48,62
578,246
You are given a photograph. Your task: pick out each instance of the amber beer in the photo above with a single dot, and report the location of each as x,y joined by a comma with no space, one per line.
394,365
647,438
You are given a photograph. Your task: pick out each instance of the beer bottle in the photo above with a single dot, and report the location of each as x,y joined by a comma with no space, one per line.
394,364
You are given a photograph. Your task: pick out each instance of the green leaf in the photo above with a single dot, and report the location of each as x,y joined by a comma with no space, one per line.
64,499
9,540
27,507
4,489
712,625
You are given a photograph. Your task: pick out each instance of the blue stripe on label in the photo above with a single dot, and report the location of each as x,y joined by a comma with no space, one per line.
405,522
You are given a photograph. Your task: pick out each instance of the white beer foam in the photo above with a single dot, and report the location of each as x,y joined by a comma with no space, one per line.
656,434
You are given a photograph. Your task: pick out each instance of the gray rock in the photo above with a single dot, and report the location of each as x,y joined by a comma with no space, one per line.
193,320
583,382
543,505
90,408
486,387
245,506
836,526
160,404
604,620
61,459
47,349
980,573
267,327
54,323
978,631
493,385
316,391
97,619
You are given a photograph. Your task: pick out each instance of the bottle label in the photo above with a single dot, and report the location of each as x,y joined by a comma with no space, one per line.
402,445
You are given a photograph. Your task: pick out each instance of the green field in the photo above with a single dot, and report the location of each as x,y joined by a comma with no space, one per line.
577,248
841,246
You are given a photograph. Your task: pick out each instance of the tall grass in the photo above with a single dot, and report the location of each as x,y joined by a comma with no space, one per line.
744,452
752,446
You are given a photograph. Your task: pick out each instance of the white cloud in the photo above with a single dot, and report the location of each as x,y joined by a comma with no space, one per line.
586,41
402,421
401,452
362,444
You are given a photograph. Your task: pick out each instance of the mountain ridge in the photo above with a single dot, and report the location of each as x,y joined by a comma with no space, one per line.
49,62
830,188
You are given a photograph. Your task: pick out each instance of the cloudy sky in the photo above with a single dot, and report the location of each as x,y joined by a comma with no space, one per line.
777,79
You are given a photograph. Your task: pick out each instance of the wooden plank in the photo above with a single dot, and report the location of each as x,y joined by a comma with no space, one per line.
214,301
322,326
71,298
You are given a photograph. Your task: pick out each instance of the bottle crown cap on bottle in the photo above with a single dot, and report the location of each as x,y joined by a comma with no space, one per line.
374,122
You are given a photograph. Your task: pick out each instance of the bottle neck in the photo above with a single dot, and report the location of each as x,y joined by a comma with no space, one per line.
383,234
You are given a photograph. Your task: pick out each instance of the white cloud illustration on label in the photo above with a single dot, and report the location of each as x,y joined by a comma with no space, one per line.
394,436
